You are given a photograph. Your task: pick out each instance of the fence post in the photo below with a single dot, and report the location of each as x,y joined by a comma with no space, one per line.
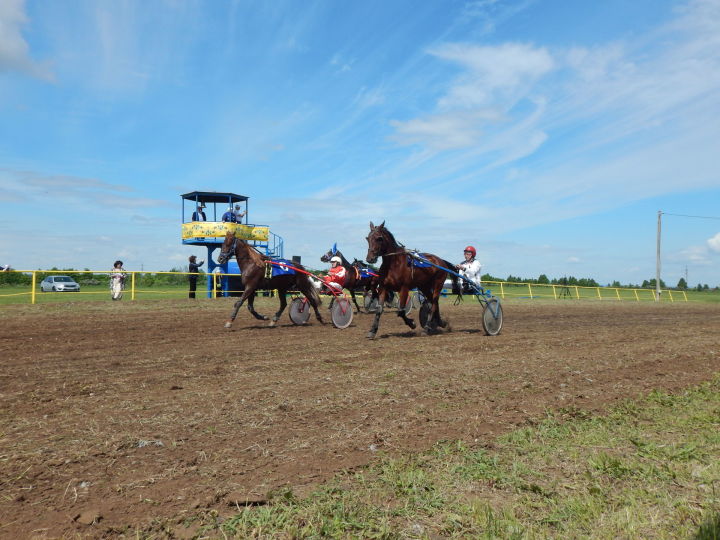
530,289
577,292
617,293
502,291
670,293
32,289
554,293
637,298
132,286
598,291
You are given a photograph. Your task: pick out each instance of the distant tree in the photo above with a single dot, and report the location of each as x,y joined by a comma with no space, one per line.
543,279
682,284
615,284
705,287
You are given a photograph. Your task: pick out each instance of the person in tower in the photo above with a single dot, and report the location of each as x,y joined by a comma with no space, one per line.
336,275
199,215
229,216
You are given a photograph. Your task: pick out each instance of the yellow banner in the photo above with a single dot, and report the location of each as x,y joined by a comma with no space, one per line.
214,229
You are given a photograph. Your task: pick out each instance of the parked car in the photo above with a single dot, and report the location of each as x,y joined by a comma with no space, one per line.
59,284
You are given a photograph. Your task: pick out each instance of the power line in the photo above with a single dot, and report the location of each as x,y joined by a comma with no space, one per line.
684,215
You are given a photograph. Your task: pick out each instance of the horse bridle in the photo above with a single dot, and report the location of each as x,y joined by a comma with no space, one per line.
225,255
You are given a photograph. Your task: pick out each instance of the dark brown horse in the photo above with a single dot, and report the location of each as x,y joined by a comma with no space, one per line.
353,276
399,273
256,268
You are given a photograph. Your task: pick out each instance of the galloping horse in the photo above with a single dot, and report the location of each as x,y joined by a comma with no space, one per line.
352,274
400,272
254,270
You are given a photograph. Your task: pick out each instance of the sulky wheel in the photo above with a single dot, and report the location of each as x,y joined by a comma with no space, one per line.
299,311
492,317
370,302
341,313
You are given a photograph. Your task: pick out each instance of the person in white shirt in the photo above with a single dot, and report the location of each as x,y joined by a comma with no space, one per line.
238,214
470,267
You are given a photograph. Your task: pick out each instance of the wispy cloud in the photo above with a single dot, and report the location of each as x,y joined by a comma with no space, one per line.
31,186
14,50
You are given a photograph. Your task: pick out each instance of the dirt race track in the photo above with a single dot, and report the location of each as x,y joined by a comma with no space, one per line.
117,414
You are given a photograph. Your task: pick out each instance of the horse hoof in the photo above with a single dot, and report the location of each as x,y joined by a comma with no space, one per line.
371,335
272,323
264,318
228,325
412,325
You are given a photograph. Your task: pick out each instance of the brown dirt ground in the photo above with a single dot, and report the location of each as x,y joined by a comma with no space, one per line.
117,414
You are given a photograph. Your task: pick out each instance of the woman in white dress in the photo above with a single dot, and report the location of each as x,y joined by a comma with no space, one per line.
117,280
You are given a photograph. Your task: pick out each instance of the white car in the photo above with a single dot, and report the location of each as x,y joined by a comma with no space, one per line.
59,284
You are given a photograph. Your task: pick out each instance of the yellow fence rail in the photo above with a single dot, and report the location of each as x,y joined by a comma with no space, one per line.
503,289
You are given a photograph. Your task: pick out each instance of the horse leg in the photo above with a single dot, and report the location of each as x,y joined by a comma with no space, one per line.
352,294
376,322
283,305
251,308
402,302
237,306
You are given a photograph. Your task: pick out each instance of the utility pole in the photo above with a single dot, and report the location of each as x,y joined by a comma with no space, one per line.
657,260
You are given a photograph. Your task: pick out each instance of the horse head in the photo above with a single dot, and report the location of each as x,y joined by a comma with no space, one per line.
228,247
379,242
330,254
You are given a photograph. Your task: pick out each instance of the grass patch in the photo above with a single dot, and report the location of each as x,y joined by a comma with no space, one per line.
647,469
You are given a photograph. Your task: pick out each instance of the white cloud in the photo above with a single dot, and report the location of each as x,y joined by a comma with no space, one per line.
714,243
492,73
14,50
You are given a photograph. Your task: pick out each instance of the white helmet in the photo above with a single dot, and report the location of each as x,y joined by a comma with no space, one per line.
336,259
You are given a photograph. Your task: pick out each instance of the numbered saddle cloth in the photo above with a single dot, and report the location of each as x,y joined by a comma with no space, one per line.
281,267
366,273
418,263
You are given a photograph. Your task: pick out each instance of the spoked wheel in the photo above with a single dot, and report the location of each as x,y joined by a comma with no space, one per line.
299,311
370,303
492,317
341,313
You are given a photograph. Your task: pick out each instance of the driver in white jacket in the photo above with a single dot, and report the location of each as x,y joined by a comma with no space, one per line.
470,267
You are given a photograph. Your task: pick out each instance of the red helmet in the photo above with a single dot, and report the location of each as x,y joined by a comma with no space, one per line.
471,250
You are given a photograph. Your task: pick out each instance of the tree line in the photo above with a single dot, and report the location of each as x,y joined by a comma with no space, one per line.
150,279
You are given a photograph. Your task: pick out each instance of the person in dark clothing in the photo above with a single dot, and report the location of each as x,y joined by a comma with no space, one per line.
193,269
198,215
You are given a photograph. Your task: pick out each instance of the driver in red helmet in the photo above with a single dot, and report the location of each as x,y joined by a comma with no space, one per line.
470,267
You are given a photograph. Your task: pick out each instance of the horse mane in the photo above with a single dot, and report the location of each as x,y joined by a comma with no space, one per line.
254,255
385,232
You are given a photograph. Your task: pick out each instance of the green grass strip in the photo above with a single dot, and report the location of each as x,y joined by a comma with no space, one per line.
647,469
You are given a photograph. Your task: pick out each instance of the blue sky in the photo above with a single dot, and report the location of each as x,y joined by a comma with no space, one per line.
546,133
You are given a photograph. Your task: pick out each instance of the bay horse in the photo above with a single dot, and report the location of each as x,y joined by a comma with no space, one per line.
399,273
352,274
255,269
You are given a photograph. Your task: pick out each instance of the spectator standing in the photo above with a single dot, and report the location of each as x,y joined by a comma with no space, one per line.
229,216
193,270
239,214
117,281
199,215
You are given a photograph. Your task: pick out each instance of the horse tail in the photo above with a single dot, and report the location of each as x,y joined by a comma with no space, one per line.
305,286
457,286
